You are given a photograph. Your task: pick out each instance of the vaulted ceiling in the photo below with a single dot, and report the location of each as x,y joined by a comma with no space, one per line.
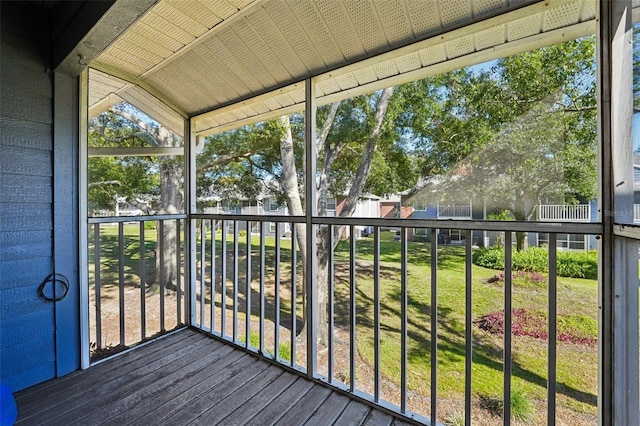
200,58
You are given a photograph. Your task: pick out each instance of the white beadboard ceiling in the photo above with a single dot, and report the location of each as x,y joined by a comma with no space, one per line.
233,62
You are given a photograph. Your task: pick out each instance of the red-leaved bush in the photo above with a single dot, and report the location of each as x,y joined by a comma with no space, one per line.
521,277
529,323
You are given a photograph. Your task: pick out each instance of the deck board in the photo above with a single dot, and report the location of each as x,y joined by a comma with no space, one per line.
189,378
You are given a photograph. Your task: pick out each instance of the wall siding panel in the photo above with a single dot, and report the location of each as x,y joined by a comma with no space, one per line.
26,322
26,162
30,326
26,216
25,134
25,189
23,272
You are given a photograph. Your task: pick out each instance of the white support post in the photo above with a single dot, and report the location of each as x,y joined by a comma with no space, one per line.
83,269
190,225
310,212
618,285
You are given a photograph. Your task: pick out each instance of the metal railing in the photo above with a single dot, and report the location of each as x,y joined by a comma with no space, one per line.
250,291
454,211
561,212
136,280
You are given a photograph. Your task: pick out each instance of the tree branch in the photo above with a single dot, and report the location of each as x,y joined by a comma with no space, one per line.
146,208
102,183
326,126
367,156
222,160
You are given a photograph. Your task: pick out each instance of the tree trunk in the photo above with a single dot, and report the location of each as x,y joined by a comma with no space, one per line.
294,203
323,247
519,214
290,188
167,265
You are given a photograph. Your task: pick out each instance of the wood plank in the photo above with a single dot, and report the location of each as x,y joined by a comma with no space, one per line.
189,411
300,412
265,399
159,389
249,397
281,403
209,385
188,377
78,408
378,418
399,422
172,391
354,413
105,368
329,411
76,384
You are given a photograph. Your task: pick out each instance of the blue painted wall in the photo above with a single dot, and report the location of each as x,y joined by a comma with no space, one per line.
28,187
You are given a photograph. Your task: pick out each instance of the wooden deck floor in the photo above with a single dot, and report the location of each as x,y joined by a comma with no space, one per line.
189,378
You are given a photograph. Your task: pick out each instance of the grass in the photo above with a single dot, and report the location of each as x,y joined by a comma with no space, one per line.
577,308
521,406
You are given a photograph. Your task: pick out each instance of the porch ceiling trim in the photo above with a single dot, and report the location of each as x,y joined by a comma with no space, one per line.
228,63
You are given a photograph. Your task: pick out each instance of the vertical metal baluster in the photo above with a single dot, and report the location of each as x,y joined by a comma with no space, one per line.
162,277
468,351
235,280
98,284
186,293
276,336
434,326
352,308
203,274
178,273
330,291
121,279
376,312
262,274
552,341
212,319
223,280
403,318
247,296
143,285
507,327
294,307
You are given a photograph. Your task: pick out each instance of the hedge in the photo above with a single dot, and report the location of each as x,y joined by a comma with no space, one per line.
583,264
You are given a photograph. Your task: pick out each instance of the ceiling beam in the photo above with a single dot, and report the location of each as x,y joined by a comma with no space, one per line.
84,29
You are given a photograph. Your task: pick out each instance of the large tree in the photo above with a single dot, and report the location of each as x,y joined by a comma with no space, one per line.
541,142
152,184
353,135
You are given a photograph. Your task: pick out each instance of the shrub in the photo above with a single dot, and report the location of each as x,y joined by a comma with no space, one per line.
522,279
489,257
578,264
570,328
535,259
522,407
149,225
